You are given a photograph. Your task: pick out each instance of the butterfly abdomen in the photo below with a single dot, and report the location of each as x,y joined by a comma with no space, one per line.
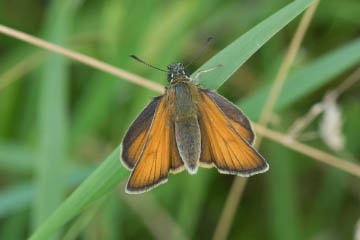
187,130
188,141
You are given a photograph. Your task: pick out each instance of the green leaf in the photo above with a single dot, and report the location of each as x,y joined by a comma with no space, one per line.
234,55
52,119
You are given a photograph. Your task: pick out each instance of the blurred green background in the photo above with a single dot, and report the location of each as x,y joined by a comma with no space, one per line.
59,119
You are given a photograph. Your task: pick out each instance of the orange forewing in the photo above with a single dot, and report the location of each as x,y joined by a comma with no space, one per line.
223,145
135,138
237,119
159,154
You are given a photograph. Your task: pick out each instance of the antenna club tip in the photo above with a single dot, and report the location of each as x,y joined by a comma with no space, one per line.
147,64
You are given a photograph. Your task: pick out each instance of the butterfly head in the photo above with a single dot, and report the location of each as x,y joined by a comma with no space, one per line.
176,72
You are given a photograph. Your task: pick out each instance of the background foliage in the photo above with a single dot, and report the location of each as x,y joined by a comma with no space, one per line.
60,119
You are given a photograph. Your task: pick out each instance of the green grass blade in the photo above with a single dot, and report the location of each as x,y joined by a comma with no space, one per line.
111,172
234,55
283,201
101,181
194,197
83,220
52,114
307,80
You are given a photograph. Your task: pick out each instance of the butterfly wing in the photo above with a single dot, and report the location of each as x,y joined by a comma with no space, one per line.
237,119
135,138
159,154
226,137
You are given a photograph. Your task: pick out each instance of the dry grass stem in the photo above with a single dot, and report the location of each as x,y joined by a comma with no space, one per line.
351,80
228,213
301,123
314,153
83,59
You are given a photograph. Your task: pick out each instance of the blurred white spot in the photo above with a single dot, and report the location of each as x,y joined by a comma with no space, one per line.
331,124
357,231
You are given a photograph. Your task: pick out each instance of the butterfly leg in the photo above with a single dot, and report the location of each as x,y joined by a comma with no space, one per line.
196,78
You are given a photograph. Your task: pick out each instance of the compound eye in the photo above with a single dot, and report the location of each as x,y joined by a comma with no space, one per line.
169,77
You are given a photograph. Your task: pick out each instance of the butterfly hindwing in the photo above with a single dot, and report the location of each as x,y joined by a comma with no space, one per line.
225,137
176,164
158,156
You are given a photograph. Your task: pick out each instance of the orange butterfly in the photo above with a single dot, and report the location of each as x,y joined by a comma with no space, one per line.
188,126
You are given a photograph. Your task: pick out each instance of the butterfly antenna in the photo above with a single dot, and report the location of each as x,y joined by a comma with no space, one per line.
206,45
147,64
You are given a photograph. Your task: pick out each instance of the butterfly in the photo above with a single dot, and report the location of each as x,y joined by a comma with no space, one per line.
187,127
